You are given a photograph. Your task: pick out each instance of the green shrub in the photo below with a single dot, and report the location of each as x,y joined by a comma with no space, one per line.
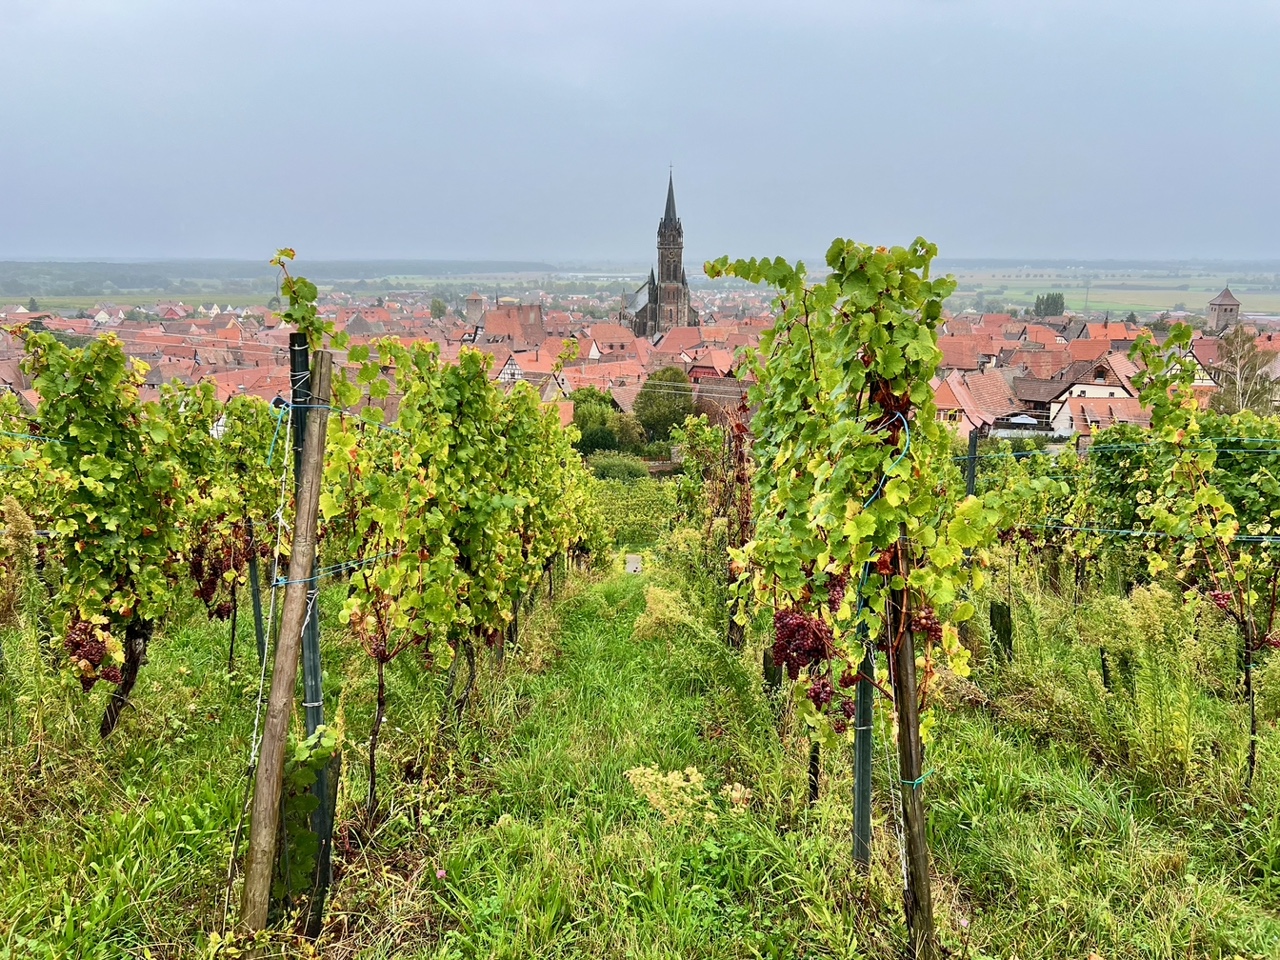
617,466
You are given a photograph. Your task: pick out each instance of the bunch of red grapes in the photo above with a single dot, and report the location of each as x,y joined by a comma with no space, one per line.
926,621
800,640
1023,533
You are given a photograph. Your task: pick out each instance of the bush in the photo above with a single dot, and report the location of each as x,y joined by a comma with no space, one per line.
595,439
658,450
617,466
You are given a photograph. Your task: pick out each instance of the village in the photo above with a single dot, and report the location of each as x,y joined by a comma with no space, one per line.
1001,374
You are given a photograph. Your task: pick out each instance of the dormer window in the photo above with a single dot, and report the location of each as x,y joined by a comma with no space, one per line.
1100,375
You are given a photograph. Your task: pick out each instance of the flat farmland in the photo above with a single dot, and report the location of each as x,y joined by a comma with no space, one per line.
1119,291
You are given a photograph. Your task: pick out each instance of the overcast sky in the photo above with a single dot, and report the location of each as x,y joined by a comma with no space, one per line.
544,128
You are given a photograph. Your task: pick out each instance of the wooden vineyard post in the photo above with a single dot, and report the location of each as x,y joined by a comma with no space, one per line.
918,896
771,672
264,822
304,398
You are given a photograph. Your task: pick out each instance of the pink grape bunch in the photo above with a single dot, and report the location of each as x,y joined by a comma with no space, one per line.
799,640
926,621
1221,599
836,588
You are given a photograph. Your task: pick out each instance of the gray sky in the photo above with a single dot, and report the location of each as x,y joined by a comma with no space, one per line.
543,128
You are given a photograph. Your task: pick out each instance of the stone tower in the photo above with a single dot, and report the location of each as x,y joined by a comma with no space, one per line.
1224,310
667,292
673,292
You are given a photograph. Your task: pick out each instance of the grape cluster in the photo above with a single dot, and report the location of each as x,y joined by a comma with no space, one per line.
214,558
884,564
836,587
799,640
1020,533
848,679
821,692
86,651
1221,599
926,621
847,708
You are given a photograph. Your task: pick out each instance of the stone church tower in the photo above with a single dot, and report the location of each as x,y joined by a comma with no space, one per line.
667,302
1224,310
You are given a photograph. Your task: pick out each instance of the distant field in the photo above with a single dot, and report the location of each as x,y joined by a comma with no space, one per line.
1140,292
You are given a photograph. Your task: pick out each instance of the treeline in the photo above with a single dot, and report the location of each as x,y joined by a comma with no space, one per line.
102,278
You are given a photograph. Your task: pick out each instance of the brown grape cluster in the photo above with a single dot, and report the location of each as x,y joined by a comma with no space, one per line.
86,650
926,621
1023,533
214,558
799,640
1221,599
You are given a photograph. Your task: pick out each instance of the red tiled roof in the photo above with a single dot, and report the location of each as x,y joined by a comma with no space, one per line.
992,392
1085,349
1041,363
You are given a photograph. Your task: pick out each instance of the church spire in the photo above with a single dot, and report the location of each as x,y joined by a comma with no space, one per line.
670,215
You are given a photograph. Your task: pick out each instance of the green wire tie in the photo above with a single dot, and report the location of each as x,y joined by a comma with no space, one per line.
918,782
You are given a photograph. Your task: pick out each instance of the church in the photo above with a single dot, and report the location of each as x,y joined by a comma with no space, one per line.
663,301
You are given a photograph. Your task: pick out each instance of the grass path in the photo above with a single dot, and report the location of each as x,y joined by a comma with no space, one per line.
527,839
559,857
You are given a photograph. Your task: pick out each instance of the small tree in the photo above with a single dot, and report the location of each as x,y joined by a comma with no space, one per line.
32,306
438,308
1244,375
596,419
664,401
630,432
1131,318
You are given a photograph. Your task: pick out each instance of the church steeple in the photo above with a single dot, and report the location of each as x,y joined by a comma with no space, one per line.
667,303
670,215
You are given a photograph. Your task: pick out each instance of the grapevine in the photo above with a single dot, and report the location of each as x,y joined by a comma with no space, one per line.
855,473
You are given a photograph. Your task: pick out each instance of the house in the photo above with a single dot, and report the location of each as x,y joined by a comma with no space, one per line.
1087,415
967,352
613,340
1046,398
957,407
711,363
518,326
